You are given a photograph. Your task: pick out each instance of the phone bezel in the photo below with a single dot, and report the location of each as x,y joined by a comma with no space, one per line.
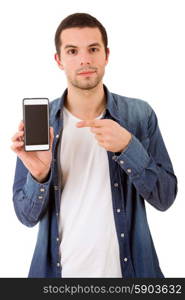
36,101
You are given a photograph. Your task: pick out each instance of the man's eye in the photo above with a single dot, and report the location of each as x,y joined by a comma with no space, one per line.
94,49
72,51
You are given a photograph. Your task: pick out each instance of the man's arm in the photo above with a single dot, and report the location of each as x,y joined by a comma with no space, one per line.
149,167
32,179
30,197
147,162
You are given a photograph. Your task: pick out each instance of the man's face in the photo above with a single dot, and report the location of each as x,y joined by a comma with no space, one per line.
82,57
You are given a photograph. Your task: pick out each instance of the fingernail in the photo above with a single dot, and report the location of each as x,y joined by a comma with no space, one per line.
78,124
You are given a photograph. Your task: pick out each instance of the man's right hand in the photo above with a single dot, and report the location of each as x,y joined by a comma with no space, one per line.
37,162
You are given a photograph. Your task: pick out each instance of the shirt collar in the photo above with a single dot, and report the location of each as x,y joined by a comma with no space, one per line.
111,105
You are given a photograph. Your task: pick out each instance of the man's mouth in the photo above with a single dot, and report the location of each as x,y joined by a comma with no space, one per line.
87,73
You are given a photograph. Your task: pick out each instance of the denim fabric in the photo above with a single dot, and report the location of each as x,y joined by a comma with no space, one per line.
142,172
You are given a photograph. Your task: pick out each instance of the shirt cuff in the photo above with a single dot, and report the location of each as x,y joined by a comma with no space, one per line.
37,194
134,158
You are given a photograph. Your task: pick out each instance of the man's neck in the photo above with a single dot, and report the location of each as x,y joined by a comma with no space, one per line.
86,104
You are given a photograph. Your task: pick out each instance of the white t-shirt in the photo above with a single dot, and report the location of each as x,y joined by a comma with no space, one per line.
89,243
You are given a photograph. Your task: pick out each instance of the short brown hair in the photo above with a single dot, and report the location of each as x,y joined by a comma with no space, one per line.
80,20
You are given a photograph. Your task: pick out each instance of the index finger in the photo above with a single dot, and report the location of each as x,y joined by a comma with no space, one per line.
21,125
90,123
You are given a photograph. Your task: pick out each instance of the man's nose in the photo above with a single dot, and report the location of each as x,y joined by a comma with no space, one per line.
85,59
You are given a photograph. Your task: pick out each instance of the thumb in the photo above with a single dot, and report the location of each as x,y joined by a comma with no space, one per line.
51,131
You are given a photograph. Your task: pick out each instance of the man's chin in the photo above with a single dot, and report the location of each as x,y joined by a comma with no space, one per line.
85,85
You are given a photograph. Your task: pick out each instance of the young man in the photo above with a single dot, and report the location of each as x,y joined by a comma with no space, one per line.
107,157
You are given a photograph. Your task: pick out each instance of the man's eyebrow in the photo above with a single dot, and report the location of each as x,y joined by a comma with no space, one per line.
70,46
73,46
94,44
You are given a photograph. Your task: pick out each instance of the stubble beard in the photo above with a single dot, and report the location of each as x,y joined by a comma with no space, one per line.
86,83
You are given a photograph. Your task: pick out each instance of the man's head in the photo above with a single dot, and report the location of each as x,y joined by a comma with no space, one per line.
82,52
79,20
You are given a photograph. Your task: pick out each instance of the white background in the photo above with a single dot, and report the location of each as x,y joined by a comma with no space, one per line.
146,40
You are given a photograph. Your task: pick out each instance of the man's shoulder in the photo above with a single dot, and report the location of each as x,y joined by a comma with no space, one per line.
129,101
54,105
131,105
133,113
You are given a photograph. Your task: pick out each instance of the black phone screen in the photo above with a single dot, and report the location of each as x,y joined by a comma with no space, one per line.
36,124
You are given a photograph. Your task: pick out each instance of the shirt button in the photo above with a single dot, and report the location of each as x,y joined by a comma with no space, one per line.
114,157
58,264
129,170
121,162
118,210
57,214
42,190
57,136
122,235
125,259
40,197
56,187
116,184
57,239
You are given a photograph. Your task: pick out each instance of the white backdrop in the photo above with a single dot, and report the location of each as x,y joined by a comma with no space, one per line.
146,40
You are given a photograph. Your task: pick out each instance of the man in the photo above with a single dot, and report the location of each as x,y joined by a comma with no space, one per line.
107,157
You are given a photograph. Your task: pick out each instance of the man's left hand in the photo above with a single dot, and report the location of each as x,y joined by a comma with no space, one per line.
109,134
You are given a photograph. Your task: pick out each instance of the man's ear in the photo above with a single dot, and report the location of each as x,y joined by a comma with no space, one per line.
58,60
107,55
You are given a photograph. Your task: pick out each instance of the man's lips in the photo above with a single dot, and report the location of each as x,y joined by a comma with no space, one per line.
87,73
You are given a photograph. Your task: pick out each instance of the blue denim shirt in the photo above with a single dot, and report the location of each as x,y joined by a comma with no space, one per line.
142,172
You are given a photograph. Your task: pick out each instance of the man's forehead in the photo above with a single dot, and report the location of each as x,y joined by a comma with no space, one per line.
78,36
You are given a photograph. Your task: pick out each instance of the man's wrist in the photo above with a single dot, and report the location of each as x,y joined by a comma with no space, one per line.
42,178
125,145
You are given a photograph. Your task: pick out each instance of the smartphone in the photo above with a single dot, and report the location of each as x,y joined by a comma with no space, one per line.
36,124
